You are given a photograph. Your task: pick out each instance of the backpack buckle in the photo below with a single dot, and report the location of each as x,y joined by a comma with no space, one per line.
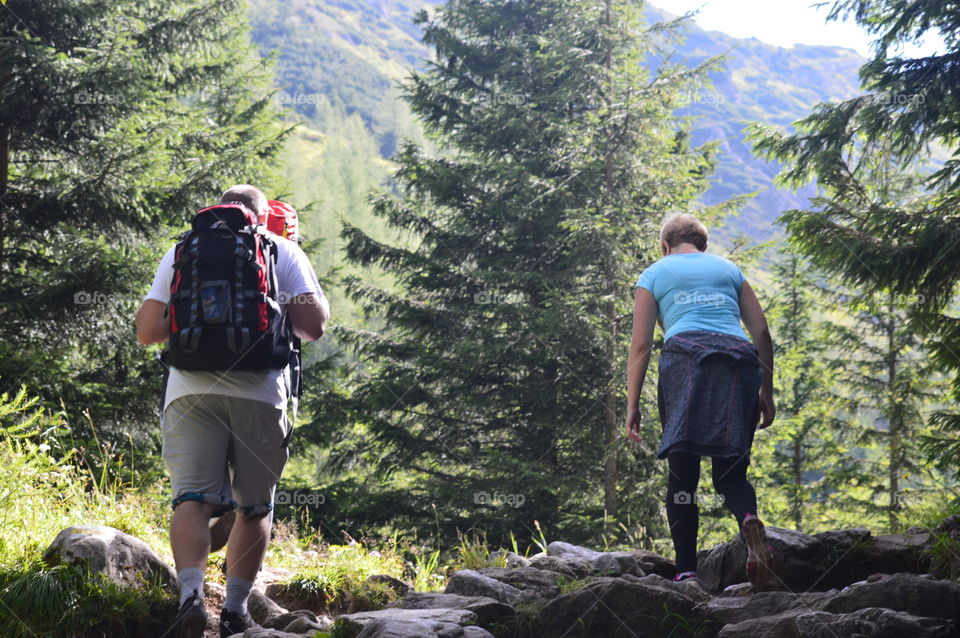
232,339
189,339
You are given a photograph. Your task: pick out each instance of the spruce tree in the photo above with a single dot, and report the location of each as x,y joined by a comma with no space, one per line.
799,461
909,247
119,118
491,396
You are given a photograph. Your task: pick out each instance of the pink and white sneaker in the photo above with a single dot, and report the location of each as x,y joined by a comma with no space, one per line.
759,552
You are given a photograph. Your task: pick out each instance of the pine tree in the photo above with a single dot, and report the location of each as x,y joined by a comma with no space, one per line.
799,460
119,118
889,381
907,247
492,394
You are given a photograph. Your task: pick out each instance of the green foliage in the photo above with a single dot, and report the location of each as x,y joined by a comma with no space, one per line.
67,601
509,315
866,227
118,119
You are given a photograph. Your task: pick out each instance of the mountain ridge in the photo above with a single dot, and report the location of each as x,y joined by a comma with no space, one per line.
337,59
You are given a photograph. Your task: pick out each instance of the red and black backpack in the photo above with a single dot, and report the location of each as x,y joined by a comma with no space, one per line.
224,309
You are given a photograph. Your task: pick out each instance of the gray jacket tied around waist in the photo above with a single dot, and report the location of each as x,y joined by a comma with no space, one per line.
708,394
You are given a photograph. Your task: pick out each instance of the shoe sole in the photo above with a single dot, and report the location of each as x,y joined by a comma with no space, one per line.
759,556
193,624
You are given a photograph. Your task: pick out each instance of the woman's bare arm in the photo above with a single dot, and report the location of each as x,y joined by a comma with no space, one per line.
644,320
756,322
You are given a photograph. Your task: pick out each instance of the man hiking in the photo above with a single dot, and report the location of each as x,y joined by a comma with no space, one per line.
220,299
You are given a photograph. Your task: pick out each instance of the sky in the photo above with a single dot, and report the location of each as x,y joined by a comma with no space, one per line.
779,22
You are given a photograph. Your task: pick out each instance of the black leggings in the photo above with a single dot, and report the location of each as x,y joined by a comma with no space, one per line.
729,479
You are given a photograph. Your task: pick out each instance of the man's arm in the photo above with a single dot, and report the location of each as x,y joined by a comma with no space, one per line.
153,322
309,315
753,318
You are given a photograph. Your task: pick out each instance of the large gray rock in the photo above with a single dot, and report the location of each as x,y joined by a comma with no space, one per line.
872,621
123,559
828,560
729,610
796,554
637,562
261,632
621,608
917,595
468,582
569,566
869,622
406,623
523,584
534,584
488,610
263,609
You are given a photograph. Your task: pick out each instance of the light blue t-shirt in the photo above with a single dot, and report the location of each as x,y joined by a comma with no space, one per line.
696,291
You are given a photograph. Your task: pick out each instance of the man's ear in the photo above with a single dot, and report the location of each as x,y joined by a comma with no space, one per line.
665,247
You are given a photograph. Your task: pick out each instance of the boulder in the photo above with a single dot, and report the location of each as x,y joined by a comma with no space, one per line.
121,558
864,622
404,623
620,608
637,562
280,621
917,595
872,621
568,566
262,609
488,610
468,582
523,584
261,632
730,610
533,584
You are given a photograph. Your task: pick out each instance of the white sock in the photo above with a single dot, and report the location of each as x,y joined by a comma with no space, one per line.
191,582
238,591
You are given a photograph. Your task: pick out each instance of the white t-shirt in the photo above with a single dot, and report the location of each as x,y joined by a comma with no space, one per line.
295,276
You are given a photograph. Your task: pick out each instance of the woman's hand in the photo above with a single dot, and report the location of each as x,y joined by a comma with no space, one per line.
767,408
633,424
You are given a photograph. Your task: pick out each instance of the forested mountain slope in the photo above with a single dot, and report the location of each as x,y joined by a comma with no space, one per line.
340,60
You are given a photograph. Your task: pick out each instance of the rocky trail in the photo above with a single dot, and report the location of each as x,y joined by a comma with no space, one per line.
830,585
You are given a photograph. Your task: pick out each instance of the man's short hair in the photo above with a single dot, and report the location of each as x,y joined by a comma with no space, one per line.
684,228
250,196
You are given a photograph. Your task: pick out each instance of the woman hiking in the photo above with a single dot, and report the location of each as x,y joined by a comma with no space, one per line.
714,384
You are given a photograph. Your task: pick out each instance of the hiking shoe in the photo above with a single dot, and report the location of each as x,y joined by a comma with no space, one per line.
233,623
192,619
759,552
684,576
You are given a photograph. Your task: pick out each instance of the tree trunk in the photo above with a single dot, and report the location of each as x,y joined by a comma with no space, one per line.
610,474
796,505
894,424
4,177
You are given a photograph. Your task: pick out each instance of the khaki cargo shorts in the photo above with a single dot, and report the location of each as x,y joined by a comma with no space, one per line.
225,451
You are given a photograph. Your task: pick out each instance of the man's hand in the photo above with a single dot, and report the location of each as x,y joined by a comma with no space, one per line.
633,424
767,408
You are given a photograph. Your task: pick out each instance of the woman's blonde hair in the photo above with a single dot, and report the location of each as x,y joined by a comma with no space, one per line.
681,228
